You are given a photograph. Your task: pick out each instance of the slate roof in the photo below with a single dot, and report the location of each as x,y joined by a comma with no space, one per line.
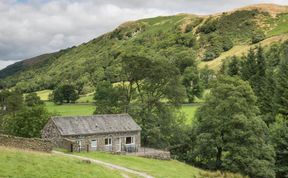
86,125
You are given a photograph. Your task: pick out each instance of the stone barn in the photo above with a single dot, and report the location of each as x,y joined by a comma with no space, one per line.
111,132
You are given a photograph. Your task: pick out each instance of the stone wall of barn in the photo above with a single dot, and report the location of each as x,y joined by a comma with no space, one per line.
34,144
118,141
51,133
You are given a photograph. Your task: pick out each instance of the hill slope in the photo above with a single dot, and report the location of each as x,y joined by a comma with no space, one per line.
207,38
19,163
15,163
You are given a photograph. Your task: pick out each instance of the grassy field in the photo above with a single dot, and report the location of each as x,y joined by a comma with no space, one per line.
280,24
16,163
44,94
189,111
70,109
84,106
156,168
88,109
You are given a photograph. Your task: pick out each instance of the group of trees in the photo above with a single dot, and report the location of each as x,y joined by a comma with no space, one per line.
243,125
22,116
65,93
144,85
240,128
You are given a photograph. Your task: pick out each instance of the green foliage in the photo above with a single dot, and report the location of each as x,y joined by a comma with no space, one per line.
209,26
230,136
145,95
192,83
279,138
183,59
281,91
187,40
10,101
65,93
32,99
216,45
108,99
249,65
27,122
257,37
233,66
254,69
206,76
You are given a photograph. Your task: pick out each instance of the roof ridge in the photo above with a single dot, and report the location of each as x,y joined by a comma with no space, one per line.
126,114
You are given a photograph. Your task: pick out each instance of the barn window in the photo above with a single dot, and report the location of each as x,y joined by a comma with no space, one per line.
108,141
129,140
94,143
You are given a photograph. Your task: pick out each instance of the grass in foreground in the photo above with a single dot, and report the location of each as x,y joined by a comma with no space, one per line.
156,168
16,163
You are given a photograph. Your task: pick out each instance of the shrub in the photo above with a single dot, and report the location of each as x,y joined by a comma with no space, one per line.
257,37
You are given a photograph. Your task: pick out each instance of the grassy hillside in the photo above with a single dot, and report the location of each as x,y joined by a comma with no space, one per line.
208,38
157,168
16,163
27,164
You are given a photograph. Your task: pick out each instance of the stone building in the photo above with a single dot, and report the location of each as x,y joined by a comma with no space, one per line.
111,132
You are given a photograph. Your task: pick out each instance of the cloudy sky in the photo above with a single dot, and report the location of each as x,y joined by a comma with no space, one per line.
32,27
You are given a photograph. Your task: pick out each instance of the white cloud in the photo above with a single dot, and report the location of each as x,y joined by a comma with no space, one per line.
3,64
33,27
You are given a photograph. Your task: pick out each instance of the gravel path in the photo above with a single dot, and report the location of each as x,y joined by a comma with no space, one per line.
109,165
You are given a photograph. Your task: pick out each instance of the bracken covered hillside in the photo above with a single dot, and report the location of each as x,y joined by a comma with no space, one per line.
208,39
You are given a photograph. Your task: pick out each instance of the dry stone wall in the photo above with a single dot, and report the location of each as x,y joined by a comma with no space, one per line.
26,143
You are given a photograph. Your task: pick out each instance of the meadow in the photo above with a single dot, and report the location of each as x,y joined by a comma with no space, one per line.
84,106
157,168
15,163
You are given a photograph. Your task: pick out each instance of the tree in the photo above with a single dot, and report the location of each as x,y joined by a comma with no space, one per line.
254,70
10,101
206,76
27,122
183,60
281,90
108,99
32,99
230,136
279,138
192,83
149,90
233,66
65,93
249,65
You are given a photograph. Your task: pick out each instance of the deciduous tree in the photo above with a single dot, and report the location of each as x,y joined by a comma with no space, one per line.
230,136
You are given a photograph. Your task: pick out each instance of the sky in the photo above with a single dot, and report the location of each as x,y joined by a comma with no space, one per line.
32,27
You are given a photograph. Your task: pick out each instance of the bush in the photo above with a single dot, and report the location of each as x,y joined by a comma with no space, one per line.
227,43
186,40
208,27
257,37
211,54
